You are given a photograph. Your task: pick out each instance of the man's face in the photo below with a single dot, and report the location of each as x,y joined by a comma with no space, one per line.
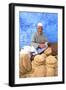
40,29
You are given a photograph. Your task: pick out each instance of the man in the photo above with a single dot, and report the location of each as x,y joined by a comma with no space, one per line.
39,40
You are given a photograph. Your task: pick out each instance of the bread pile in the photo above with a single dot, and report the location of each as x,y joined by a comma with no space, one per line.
43,65
24,64
38,66
51,66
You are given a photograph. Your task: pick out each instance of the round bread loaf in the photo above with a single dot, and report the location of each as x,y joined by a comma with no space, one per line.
25,63
39,59
21,67
51,60
48,51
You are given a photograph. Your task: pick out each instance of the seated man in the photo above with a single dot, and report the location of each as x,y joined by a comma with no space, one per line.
39,40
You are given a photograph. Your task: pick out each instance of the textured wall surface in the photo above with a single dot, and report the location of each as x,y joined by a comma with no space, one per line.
28,26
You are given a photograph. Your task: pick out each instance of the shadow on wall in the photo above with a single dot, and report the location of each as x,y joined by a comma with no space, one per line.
28,26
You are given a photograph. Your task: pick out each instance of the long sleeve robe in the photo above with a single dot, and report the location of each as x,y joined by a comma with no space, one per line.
37,39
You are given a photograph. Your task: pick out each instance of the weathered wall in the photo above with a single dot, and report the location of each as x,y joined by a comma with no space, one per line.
28,26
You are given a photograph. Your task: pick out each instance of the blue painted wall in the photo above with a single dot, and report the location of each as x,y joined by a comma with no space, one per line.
28,26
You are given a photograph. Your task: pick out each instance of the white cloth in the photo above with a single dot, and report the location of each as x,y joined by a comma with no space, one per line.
28,50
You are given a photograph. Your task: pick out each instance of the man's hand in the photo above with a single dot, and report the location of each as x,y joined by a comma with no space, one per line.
42,45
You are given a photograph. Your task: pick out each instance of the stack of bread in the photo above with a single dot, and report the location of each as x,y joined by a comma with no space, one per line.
24,64
43,65
38,66
51,66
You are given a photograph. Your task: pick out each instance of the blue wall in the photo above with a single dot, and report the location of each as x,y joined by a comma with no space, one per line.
28,26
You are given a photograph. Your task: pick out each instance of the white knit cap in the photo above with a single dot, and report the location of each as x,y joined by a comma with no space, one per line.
39,24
